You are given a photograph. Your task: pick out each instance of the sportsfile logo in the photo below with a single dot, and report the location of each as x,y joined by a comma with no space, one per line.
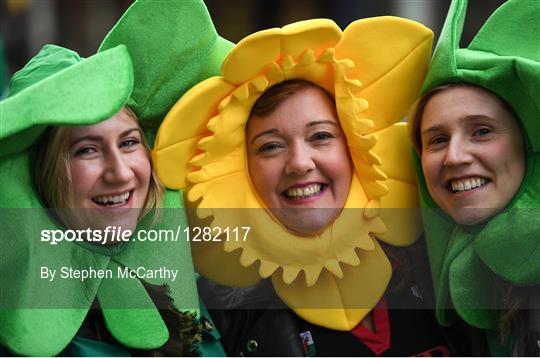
115,234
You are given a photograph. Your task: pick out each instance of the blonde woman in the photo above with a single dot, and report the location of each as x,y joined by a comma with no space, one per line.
70,133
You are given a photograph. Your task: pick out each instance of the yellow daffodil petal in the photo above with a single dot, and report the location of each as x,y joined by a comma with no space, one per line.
250,56
391,56
393,146
211,261
176,142
401,214
339,303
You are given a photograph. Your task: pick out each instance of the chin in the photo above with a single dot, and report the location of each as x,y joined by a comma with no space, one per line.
98,220
471,216
125,223
307,222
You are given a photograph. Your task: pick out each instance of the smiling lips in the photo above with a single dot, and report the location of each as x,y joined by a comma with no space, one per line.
304,192
112,200
461,185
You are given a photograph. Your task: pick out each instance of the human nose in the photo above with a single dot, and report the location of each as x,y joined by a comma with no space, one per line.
118,169
457,153
299,161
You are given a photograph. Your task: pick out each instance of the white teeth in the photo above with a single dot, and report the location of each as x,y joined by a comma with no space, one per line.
467,184
112,200
306,191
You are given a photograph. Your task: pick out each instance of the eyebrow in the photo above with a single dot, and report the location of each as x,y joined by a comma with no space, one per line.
470,117
270,131
432,129
309,125
97,138
312,124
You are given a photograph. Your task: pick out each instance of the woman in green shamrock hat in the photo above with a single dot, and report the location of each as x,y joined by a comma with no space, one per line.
42,315
475,132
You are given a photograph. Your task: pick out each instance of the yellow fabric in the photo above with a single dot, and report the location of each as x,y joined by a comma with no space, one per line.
374,70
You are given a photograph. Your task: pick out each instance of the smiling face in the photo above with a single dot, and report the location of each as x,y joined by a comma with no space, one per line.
299,161
110,171
472,153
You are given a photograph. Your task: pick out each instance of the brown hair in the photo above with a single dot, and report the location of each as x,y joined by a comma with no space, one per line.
275,95
415,121
53,175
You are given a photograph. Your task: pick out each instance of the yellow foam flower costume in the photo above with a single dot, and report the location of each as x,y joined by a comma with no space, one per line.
374,70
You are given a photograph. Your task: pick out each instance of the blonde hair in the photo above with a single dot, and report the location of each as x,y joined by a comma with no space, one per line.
53,176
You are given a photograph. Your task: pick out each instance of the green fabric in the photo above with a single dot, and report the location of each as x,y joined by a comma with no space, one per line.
504,57
211,345
172,45
50,60
57,87
82,347
129,312
182,49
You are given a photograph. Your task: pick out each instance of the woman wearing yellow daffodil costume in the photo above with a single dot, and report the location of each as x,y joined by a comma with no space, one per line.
334,276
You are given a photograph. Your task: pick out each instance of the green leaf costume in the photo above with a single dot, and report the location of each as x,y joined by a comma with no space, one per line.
504,58
154,54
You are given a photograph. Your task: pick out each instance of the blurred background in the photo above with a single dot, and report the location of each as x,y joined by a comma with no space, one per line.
81,25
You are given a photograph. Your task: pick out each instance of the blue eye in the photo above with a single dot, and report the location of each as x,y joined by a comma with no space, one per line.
130,143
85,151
321,136
482,132
269,147
437,140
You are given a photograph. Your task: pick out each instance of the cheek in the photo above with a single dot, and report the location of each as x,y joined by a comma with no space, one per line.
511,149
342,174
84,175
336,166
142,167
430,167
339,165
508,161
264,175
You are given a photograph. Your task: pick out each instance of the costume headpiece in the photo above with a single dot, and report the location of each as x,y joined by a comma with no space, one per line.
57,87
373,69
504,58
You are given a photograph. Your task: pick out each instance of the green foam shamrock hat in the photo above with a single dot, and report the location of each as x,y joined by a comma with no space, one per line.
504,58
173,45
57,87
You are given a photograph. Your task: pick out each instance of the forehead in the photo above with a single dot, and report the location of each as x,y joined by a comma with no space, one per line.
309,104
113,126
459,105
